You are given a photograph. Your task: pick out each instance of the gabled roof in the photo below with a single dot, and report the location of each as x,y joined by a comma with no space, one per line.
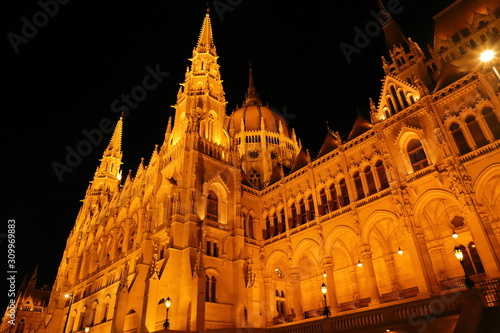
361,125
300,161
449,74
330,143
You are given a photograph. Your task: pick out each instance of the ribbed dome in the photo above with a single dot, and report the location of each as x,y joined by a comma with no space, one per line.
252,115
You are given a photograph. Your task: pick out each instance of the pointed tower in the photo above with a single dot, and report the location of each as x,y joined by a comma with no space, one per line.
108,174
201,105
406,57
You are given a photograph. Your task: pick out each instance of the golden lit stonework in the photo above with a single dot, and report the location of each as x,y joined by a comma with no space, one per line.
232,224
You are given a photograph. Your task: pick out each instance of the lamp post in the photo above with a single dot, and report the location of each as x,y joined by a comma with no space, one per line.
460,256
69,310
168,303
486,57
324,290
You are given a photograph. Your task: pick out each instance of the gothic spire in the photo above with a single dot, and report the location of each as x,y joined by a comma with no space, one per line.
251,98
205,40
393,34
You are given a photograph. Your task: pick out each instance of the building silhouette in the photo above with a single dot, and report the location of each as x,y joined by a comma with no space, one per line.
236,223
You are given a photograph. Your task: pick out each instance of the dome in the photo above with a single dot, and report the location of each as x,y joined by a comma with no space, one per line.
254,115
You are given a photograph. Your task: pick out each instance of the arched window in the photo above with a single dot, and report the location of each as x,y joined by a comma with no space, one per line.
293,222
270,231
404,101
417,156
476,260
358,185
212,206
281,222
344,194
396,99
459,138
310,208
323,202
250,227
280,302
492,121
302,211
475,131
20,326
467,263
211,289
333,204
382,176
370,181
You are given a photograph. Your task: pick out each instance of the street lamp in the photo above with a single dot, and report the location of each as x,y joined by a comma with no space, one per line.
324,290
168,303
69,310
460,256
486,57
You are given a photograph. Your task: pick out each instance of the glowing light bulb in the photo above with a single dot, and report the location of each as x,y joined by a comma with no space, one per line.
360,264
400,252
487,56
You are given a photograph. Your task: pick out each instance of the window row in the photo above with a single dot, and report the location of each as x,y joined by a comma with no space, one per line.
471,134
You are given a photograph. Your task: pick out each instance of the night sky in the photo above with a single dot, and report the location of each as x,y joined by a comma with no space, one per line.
64,79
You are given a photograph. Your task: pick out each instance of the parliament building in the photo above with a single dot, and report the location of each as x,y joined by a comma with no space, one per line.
233,224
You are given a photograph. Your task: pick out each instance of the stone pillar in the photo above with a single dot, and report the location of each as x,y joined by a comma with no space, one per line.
366,254
270,309
85,264
126,236
114,243
391,270
297,294
423,269
436,253
332,290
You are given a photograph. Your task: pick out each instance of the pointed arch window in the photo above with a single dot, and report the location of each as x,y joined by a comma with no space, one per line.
270,231
476,132
302,212
293,222
459,138
281,221
370,180
310,208
492,121
395,98
358,184
344,194
382,176
404,101
250,227
333,204
416,153
211,289
323,202
212,206
476,260
467,263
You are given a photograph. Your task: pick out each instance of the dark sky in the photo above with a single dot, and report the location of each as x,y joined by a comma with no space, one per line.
65,76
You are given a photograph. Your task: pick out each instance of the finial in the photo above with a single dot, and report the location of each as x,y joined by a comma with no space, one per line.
208,8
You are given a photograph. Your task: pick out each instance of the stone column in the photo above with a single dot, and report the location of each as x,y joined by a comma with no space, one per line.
270,309
393,276
126,236
332,290
297,294
423,269
114,243
366,254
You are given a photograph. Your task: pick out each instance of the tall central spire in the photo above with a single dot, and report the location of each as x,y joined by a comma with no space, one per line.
251,98
201,104
205,40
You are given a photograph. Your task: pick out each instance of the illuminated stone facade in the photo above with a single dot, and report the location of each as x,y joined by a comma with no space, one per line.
239,226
